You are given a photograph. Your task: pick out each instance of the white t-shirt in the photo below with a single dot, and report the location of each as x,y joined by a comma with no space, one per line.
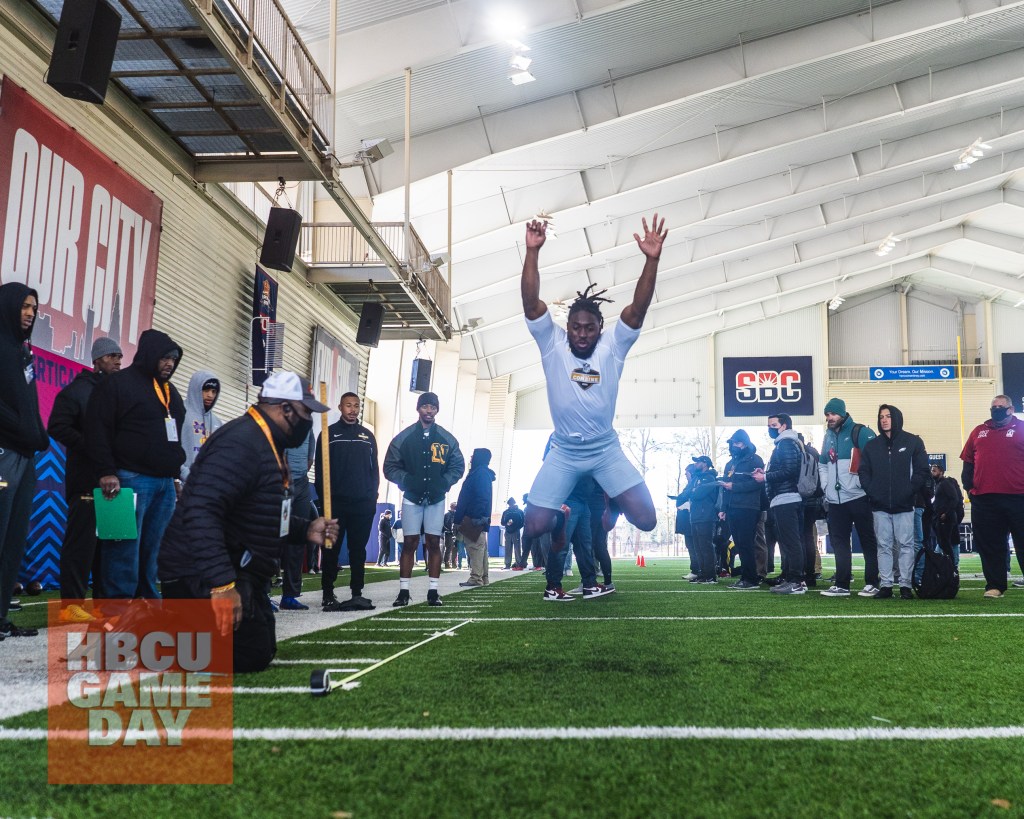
581,392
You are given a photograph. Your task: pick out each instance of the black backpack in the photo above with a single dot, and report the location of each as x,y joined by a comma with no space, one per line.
940,579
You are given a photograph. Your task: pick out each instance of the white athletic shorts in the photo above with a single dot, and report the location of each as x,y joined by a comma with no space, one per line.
569,460
422,519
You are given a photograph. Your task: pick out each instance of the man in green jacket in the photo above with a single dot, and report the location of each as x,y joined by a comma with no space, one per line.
425,462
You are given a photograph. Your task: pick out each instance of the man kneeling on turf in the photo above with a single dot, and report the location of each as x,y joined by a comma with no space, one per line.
582,368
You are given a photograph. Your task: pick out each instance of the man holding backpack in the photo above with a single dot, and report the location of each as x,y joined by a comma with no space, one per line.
848,506
893,468
783,478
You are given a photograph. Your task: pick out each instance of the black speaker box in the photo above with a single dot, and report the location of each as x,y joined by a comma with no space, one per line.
281,238
421,375
371,320
83,51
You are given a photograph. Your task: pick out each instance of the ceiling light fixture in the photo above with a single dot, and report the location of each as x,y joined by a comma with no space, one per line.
521,77
519,62
836,301
971,154
886,246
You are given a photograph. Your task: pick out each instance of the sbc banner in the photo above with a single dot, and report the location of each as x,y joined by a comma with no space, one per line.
337,366
49,509
768,384
264,310
76,228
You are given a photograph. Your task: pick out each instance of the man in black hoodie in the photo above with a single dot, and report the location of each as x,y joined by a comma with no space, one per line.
133,434
893,468
741,505
78,554
22,435
355,479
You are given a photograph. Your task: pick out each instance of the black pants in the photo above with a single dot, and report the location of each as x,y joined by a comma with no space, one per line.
993,517
79,554
842,518
19,472
599,543
809,536
743,522
703,554
787,521
255,639
291,564
383,549
355,518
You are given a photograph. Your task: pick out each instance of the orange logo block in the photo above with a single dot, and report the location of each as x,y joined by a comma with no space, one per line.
140,697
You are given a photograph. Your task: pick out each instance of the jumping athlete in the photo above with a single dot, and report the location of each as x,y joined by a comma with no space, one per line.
582,367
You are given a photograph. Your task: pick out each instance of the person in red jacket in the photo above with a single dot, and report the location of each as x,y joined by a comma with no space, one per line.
993,475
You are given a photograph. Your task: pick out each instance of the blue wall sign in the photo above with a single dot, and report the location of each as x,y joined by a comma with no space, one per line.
945,372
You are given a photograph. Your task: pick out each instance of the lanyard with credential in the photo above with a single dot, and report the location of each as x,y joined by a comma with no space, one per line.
165,398
285,476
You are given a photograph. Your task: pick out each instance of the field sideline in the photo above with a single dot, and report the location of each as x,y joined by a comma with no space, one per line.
663,699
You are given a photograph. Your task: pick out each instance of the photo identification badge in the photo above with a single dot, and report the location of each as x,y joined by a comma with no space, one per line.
286,516
172,429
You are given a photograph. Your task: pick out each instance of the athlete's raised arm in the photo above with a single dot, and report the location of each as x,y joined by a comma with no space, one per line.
650,246
536,234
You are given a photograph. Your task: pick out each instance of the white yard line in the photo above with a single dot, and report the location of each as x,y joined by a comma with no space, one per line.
349,642
322,660
626,732
880,616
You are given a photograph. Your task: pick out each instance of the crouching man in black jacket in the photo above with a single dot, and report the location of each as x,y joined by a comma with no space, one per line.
228,533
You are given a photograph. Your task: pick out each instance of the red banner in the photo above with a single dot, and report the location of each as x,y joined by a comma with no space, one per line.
76,228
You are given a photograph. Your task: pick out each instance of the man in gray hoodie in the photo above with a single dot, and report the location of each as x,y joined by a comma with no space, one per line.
200,422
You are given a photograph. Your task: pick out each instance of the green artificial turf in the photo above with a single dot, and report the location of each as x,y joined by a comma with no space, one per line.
640,657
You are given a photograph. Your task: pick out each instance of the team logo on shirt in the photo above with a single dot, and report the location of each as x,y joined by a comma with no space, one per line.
439,453
585,378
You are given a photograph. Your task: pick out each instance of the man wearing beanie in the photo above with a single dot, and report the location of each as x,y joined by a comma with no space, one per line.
79,555
473,515
425,462
133,435
848,506
512,521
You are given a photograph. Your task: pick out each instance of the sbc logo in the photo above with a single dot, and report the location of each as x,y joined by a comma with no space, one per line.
767,386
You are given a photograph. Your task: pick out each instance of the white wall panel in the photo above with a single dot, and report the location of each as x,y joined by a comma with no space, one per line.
866,333
932,327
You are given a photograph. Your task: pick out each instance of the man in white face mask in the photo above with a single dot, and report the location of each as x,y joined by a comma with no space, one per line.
993,475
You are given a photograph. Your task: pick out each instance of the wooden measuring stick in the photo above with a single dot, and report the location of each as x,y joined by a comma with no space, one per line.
325,462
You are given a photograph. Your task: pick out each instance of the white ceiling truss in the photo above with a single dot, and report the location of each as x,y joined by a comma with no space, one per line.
782,141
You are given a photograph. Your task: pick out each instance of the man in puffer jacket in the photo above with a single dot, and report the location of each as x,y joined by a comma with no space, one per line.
702,493
848,507
785,503
893,468
741,505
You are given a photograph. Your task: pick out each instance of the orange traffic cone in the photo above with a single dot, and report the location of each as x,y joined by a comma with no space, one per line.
641,561
638,560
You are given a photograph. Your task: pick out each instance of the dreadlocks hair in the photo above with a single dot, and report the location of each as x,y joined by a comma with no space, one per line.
590,302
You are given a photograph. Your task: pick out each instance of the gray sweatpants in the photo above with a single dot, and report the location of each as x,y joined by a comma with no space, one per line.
895,536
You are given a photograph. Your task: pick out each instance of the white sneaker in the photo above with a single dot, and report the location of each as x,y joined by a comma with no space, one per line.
868,591
690,576
568,573
577,590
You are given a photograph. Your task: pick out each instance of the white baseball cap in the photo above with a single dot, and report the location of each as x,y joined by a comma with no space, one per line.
284,385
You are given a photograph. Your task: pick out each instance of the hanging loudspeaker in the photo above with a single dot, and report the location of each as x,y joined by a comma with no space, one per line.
83,51
281,238
420,375
371,321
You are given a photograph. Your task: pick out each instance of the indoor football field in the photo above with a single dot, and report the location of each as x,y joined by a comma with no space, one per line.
662,699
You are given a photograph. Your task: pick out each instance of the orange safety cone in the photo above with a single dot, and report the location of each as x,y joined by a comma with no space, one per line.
638,560
642,562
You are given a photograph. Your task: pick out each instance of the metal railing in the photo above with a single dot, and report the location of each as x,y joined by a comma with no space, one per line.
273,47
863,372
339,244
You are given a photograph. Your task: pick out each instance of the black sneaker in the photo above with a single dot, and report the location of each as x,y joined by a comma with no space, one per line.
906,594
434,599
743,585
15,605
597,590
11,630
402,599
884,593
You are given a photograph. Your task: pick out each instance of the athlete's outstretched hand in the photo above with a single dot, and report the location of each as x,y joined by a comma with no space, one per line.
654,238
536,233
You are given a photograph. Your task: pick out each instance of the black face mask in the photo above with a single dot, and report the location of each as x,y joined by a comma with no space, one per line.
298,430
773,432
999,414
735,451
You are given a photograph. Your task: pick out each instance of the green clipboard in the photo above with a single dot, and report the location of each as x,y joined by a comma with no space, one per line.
115,517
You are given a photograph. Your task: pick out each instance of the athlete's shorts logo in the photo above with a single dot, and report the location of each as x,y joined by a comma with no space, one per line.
439,453
585,379
768,386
